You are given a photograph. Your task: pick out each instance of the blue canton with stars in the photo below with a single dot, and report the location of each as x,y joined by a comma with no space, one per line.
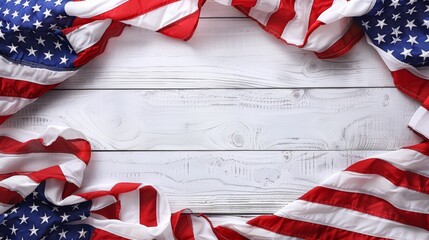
36,218
400,28
30,33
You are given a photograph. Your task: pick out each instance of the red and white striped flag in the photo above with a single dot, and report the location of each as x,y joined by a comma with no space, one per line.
322,26
42,43
382,197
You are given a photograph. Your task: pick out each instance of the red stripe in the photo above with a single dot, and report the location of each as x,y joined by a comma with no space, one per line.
244,6
410,84
78,147
110,212
395,175
426,104
244,3
227,234
53,172
132,9
317,8
99,234
115,29
69,189
114,191
422,148
305,230
9,197
279,19
343,45
22,89
366,204
148,207
181,223
184,28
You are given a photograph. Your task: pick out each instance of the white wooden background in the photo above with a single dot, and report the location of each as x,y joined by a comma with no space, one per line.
231,122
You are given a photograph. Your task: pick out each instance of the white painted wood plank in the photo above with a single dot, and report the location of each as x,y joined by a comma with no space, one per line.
224,53
223,182
270,119
212,9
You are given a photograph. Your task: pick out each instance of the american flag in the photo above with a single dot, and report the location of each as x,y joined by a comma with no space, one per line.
382,197
399,31
41,46
43,42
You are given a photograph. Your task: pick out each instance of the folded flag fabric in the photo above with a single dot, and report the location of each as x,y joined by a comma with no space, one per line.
399,31
42,43
382,197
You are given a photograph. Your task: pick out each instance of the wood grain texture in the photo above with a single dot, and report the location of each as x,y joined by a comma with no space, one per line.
311,133
270,119
224,53
223,182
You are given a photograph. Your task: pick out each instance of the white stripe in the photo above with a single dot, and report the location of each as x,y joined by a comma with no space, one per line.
31,162
4,207
53,132
201,228
32,74
350,220
91,8
162,208
50,134
346,8
394,64
73,171
18,134
327,35
102,202
224,2
408,160
263,10
87,35
11,105
54,193
337,22
419,121
21,184
130,210
375,185
163,16
297,28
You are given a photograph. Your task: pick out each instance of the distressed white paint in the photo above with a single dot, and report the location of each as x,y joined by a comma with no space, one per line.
224,53
227,54
262,119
